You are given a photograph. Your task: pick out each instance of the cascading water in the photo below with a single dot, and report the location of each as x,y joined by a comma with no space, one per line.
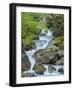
41,43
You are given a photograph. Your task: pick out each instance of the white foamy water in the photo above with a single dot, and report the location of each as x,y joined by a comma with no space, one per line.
41,44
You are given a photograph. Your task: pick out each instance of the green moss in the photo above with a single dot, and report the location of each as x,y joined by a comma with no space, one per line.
55,22
29,23
59,41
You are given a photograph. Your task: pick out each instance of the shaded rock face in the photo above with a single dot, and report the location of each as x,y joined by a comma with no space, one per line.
51,55
51,68
39,68
25,63
28,74
61,70
28,47
36,37
60,62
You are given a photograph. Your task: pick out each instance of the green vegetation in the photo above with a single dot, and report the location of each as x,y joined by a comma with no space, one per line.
29,22
53,53
59,41
31,26
55,22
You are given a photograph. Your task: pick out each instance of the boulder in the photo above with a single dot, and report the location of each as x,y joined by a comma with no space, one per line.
28,47
39,68
60,62
50,55
46,57
36,37
61,53
51,68
61,70
25,63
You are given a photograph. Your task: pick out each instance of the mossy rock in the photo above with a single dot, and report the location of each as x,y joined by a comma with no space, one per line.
51,68
55,22
61,70
59,42
39,68
25,63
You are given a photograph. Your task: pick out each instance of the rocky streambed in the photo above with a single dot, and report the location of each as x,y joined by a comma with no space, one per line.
43,57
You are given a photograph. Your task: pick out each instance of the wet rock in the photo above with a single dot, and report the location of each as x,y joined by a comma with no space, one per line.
50,55
46,57
29,47
51,68
36,37
61,53
59,42
61,70
25,63
42,34
60,62
39,68
28,74
41,57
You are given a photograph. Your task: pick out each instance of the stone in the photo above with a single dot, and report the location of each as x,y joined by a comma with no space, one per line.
39,68
46,57
29,47
25,63
61,70
51,68
60,62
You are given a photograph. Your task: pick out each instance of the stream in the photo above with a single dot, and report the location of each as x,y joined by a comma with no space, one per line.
42,43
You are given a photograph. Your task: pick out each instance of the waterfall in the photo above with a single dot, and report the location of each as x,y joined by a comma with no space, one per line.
41,43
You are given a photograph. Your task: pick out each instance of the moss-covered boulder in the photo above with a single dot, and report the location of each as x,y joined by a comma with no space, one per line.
25,63
55,22
51,68
39,68
61,70
59,42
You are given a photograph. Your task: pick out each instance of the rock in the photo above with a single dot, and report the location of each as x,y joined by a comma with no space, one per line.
46,57
29,47
41,56
60,62
42,34
39,68
28,74
50,55
36,37
25,64
52,48
51,68
59,42
61,53
61,70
